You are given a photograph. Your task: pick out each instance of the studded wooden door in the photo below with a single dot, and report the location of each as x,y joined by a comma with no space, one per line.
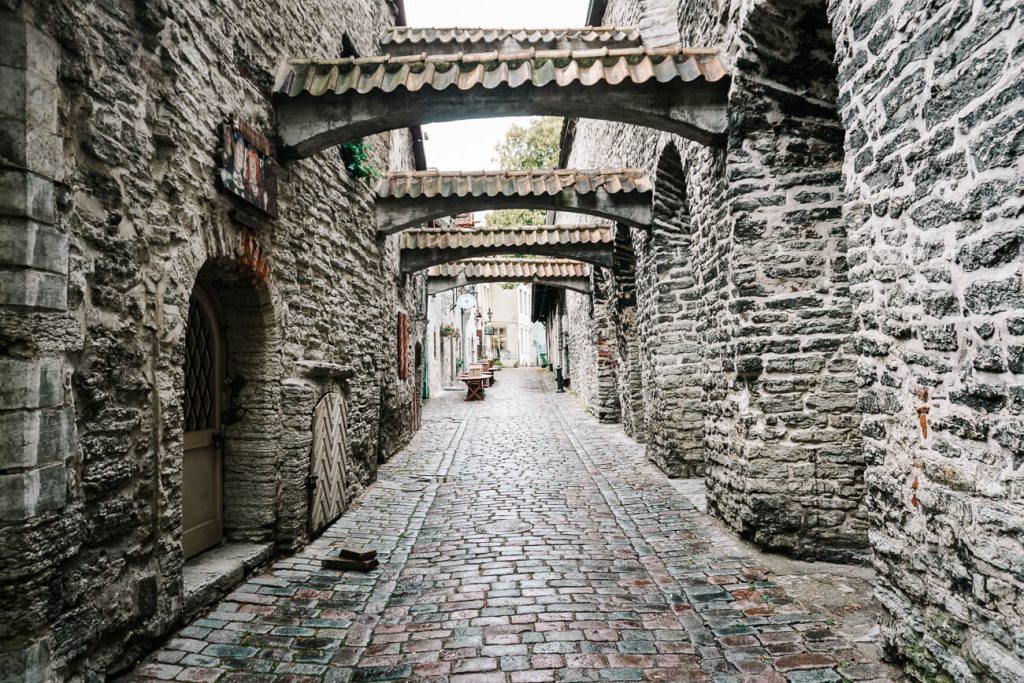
329,463
201,468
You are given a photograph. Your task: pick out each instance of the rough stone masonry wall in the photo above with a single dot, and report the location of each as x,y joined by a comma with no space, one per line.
932,97
111,215
671,353
582,332
769,305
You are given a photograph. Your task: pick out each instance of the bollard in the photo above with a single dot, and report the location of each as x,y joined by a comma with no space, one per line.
559,380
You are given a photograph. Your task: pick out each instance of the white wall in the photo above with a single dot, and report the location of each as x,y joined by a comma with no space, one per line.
509,310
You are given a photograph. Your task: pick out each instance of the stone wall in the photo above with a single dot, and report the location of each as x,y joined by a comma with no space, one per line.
582,331
866,210
933,102
111,216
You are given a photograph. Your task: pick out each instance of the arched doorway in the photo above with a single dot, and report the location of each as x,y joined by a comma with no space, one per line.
202,468
231,406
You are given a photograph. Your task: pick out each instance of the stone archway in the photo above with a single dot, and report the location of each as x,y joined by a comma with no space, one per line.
667,300
621,287
785,465
250,425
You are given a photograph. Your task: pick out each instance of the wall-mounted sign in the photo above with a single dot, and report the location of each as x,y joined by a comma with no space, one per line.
247,169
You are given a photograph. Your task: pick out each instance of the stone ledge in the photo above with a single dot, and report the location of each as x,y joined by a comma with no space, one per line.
211,575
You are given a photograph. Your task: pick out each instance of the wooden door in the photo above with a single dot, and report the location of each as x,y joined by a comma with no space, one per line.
329,462
202,469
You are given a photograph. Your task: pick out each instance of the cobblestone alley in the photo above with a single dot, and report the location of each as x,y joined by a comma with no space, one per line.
520,540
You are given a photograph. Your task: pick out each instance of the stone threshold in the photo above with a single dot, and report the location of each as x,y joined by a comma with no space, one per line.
211,575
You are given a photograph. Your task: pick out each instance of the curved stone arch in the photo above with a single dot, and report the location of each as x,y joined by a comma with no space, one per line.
667,318
251,315
787,305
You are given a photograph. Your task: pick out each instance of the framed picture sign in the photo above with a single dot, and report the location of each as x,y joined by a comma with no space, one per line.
247,169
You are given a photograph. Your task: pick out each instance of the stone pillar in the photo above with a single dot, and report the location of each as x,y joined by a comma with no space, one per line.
786,466
627,342
36,432
606,406
671,354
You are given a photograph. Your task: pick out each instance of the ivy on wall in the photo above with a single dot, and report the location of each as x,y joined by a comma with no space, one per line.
356,156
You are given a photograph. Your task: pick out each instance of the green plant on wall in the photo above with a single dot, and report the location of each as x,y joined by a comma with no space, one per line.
356,156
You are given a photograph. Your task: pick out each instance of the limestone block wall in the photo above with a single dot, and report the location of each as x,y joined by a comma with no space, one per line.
857,258
932,102
111,212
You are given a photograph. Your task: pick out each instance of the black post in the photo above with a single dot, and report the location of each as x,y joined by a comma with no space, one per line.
559,380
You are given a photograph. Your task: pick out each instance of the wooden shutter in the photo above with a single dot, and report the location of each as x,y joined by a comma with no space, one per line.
403,345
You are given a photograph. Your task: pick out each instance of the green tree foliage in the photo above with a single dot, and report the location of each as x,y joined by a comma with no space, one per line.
534,146
515,217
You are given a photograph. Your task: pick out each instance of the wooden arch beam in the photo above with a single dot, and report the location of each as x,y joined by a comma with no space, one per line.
322,103
593,244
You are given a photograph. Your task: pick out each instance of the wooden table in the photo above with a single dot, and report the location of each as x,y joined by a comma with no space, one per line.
474,387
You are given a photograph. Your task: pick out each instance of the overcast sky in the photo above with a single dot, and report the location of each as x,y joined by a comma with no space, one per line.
469,145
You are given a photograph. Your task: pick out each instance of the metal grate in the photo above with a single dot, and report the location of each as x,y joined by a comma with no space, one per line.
199,369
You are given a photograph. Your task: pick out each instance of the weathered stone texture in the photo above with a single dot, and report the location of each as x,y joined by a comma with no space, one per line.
863,210
933,103
743,310
117,223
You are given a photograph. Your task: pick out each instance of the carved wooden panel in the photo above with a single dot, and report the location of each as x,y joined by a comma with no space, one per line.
330,461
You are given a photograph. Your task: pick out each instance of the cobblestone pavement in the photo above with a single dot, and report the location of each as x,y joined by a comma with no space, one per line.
520,541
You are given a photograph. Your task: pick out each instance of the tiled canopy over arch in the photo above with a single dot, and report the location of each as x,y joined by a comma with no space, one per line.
561,273
408,199
434,246
433,75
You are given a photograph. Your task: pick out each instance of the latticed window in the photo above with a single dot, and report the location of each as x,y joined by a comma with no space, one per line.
199,370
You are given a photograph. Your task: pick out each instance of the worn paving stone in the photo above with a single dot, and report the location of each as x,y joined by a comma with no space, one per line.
519,540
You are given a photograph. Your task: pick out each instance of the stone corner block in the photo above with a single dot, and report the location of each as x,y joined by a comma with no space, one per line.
33,438
31,383
27,194
27,244
33,289
26,664
24,495
23,46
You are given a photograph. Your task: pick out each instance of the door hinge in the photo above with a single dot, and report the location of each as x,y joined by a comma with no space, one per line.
311,481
